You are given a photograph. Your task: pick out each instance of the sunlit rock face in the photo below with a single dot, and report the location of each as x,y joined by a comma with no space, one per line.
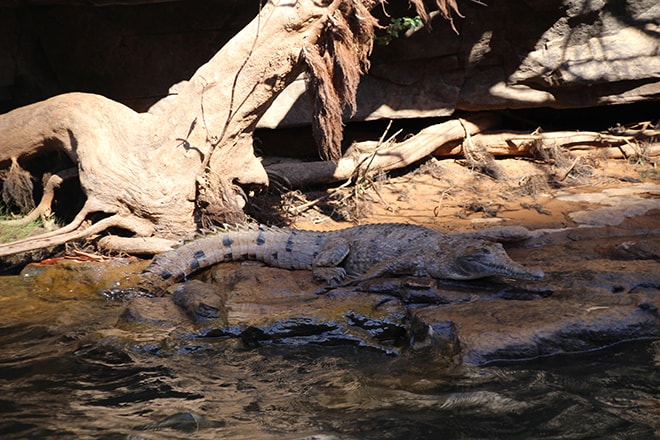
543,53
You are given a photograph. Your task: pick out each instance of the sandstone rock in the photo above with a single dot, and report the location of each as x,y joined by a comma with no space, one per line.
635,250
541,53
497,330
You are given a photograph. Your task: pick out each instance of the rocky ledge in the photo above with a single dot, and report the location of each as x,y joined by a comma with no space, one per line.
602,287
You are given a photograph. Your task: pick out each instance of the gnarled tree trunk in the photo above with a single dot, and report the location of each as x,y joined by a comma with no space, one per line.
161,173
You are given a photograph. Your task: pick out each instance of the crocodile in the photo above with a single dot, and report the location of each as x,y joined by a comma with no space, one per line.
360,253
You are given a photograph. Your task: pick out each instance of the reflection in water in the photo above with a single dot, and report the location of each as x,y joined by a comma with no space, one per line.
60,377
55,386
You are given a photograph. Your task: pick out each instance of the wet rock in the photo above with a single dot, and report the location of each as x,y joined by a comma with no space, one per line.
634,250
193,307
567,322
596,276
439,337
270,305
409,290
156,312
70,278
387,330
201,302
298,331
413,290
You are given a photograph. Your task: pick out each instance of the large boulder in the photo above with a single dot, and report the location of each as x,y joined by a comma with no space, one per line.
509,55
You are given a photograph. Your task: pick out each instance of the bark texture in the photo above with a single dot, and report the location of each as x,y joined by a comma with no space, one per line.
175,168
168,171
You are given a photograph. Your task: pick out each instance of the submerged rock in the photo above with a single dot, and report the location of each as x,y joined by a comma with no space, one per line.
185,422
156,312
201,302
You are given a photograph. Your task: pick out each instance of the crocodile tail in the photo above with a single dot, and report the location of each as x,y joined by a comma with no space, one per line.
203,249
278,247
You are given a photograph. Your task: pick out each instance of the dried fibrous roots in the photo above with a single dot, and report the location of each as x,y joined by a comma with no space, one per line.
478,158
217,202
339,58
335,64
564,164
17,188
446,8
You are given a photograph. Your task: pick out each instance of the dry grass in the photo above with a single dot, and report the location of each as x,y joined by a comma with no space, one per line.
13,233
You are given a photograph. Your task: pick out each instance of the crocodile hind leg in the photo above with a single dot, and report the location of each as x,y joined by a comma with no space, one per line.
325,265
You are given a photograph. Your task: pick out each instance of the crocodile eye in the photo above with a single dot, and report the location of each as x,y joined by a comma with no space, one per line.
485,250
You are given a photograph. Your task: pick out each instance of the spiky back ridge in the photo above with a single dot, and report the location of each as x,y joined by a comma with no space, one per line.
277,247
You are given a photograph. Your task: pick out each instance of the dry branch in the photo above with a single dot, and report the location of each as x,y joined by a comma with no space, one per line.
70,233
449,139
525,144
385,158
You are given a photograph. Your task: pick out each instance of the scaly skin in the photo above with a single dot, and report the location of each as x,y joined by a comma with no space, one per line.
367,251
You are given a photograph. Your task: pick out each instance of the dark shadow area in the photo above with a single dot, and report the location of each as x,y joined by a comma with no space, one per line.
130,54
297,142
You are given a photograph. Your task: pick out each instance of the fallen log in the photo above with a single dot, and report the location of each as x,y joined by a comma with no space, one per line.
456,138
645,143
379,156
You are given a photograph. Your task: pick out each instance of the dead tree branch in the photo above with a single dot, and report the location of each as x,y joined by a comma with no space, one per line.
385,158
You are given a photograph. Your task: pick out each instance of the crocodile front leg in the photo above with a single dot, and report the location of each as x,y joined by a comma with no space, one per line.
325,265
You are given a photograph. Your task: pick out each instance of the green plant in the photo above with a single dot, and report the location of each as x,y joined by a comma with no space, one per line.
398,26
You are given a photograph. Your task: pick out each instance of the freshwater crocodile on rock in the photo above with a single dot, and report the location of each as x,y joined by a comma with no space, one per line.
361,252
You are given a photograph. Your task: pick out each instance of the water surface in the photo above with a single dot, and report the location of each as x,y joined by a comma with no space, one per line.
63,376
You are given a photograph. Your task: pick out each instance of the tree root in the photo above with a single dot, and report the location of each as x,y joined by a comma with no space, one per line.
136,245
44,209
381,157
76,231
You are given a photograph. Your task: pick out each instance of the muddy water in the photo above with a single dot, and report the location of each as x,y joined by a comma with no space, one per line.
63,374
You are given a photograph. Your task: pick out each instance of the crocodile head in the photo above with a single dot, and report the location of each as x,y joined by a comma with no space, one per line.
480,259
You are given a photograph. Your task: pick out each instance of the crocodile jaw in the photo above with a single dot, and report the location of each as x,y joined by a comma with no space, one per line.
486,261
475,270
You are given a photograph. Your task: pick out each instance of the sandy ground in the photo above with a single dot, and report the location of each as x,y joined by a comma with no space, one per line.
448,196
